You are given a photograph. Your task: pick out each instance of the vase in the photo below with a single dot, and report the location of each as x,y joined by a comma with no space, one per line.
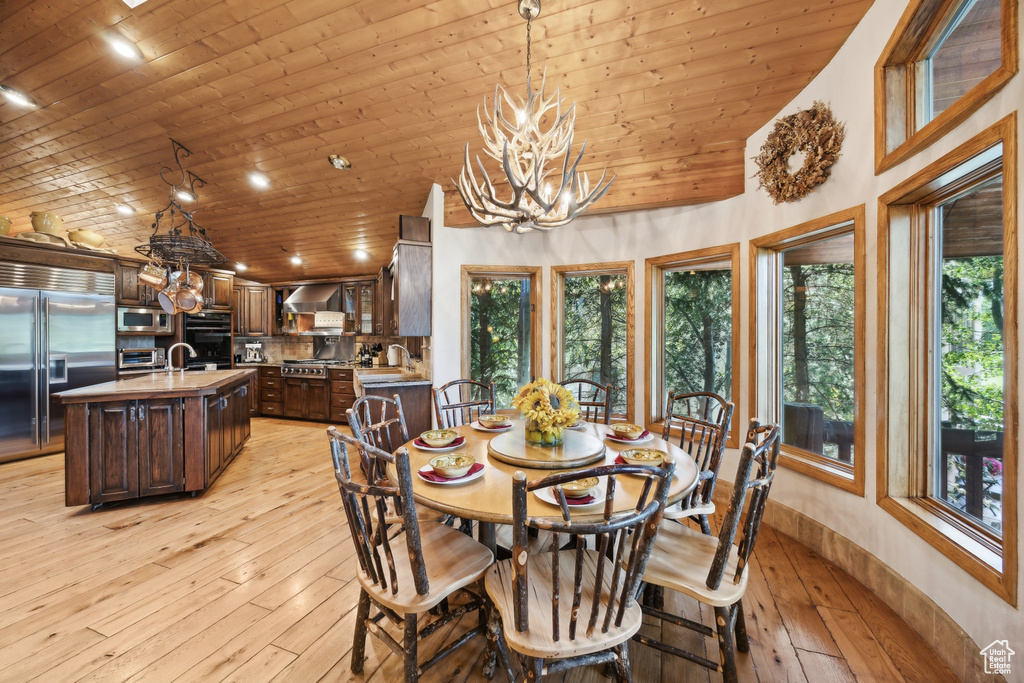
535,436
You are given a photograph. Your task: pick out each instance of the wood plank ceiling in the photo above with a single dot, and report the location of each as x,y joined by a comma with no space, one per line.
666,94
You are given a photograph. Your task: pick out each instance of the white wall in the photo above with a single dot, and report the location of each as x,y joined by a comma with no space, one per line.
846,84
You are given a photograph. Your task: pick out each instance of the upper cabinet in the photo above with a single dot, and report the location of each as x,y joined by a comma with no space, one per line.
411,289
130,292
217,286
251,310
357,301
382,305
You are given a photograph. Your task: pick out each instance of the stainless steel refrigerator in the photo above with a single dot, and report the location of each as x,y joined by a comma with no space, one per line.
51,339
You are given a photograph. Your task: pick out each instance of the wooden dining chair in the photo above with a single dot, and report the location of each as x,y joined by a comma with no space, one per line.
595,399
378,421
713,571
461,401
702,420
407,567
574,606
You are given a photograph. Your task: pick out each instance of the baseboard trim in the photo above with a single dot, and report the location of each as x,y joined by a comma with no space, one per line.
930,621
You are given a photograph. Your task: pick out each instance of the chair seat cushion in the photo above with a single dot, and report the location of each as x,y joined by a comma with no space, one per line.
453,560
537,640
681,560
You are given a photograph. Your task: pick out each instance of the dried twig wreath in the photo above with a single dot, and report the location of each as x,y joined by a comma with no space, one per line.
812,131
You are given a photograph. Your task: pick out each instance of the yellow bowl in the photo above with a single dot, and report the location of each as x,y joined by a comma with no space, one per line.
627,430
643,456
495,421
581,488
439,438
452,465
85,236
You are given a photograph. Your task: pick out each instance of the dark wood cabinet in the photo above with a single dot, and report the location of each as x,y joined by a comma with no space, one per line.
215,435
254,395
382,308
271,392
307,398
343,393
137,449
250,307
411,272
130,292
357,301
416,403
217,288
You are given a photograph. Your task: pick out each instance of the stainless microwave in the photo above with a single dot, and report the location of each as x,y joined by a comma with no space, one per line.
144,320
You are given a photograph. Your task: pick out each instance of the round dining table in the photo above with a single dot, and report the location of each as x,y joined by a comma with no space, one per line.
488,498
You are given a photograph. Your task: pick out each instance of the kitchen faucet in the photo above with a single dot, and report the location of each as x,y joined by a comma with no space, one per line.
170,357
408,356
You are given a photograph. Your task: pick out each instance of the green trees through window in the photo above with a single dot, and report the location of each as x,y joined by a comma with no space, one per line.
500,334
697,353
594,324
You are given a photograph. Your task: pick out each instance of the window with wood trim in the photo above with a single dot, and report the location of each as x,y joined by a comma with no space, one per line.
692,327
807,334
944,60
501,327
592,328
948,341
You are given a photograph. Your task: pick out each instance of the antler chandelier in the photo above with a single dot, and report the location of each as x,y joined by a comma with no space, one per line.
542,197
184,241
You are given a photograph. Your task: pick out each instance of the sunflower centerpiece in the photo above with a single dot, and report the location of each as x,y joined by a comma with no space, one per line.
548,409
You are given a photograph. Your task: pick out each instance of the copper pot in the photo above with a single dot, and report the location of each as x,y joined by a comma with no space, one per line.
188,299
187,278
153,275
167,298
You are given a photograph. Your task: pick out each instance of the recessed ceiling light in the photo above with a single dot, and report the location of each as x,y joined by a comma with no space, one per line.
185,196
361,254
259,180
123,46
17,96
125,210
296,261
339,162
240,267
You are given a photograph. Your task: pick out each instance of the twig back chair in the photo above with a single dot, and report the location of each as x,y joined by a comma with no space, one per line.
406,567
713,571
574,606
595,399
379,422
702,420
461,401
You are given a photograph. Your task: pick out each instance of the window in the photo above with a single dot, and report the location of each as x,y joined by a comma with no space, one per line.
500,327
945,59
693,327
808,333
947,341
592,323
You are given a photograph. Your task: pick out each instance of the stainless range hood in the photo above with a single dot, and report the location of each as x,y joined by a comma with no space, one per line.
313,298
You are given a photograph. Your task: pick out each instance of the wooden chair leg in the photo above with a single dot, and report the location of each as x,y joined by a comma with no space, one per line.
412,669
742,640
359,635
534,669
623,670
726,644
705,526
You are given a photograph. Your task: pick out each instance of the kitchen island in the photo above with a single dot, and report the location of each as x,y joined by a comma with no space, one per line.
151,435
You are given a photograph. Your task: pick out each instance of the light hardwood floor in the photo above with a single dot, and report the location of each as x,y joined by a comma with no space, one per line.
254,581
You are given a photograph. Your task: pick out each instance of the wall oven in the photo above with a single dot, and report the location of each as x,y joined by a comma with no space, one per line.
210,335
144,321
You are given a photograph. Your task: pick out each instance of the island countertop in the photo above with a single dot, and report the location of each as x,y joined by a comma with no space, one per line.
194,383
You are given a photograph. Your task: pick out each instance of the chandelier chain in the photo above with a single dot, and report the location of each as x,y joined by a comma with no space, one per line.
528,27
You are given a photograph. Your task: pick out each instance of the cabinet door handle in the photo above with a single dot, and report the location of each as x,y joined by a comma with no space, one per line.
245,391
142,413
223,403
131,413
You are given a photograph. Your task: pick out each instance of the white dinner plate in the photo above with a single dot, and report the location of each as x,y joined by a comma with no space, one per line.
459,442
480,428
643,439
548,496
449,482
